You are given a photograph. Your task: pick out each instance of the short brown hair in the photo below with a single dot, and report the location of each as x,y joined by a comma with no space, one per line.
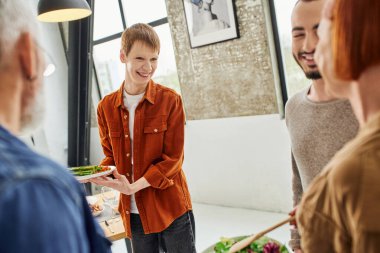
139,32
356,37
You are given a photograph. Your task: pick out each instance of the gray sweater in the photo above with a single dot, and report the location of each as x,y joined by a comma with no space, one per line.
317,131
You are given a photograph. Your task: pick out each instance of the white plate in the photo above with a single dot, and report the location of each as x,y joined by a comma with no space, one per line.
104,173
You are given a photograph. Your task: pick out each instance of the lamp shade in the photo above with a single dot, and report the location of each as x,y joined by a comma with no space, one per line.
62,10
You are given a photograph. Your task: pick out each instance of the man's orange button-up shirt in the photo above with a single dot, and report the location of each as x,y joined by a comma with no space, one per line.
158,143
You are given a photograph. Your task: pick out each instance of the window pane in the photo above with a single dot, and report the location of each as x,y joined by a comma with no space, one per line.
107,18
166,73
295,77
143,11
109,69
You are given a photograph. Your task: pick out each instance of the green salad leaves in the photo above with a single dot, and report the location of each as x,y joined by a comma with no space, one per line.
262,245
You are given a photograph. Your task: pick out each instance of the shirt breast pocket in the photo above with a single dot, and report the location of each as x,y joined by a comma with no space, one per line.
154,140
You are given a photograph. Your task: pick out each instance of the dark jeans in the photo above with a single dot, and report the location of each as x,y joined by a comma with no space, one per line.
179,237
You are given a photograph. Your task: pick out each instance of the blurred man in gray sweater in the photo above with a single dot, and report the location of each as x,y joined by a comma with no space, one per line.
318,123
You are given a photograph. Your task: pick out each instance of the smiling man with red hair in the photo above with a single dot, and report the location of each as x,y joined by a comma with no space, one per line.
141,128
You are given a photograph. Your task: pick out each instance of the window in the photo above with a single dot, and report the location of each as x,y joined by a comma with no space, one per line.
106,23
109,70
166,72
122,13
139,12
294,77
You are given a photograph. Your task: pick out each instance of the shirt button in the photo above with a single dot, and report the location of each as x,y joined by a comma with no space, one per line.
125,116
126,136
128,154
155,130
127,212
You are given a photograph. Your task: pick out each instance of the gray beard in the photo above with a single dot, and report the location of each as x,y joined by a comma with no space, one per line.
33,116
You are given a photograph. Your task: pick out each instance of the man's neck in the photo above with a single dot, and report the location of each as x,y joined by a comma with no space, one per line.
133,89
317,92
8,123
10,101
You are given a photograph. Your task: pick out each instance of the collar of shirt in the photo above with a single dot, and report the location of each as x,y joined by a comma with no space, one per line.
131,101
371,127
150,94
7,139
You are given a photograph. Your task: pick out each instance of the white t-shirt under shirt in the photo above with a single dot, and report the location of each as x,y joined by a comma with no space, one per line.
131,102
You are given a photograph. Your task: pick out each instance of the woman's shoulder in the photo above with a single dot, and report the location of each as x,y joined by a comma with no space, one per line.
357,162
346,174
355,184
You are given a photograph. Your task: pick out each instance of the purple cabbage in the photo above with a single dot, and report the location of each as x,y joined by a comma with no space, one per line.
271,247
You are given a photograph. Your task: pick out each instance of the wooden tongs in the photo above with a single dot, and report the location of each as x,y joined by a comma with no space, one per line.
247,241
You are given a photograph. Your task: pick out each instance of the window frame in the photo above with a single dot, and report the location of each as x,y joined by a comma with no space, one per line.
278,51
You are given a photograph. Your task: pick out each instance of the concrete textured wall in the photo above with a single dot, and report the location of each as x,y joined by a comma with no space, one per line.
227,79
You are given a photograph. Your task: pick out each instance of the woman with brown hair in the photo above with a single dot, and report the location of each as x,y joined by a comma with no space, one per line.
339,212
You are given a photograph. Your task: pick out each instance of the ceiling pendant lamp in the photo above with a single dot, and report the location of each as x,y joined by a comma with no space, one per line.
62,10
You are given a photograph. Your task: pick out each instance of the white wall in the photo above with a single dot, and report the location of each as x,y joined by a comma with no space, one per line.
238,162
51,139
56,95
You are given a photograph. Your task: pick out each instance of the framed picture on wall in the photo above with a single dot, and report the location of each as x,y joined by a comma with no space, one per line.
210,21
